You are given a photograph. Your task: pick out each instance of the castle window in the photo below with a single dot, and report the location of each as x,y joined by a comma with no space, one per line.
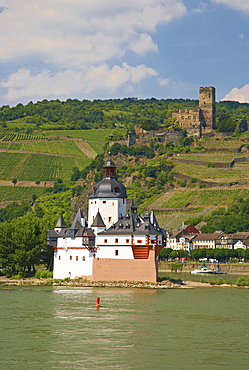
83,258
112,203
105,240
77,258
116,189
127,240
104,201
194,117
94,190
139,241
116,240
109,219
71,257
116,252
59,257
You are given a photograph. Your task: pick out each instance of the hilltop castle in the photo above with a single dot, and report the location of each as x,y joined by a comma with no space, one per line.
202,118
114,244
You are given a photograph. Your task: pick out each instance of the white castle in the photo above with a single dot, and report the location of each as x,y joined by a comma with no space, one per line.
114,244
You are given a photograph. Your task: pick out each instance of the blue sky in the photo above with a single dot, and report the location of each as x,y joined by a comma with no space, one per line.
100,49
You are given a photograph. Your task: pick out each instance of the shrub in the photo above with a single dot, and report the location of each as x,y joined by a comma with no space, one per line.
241,281
43,274
210,165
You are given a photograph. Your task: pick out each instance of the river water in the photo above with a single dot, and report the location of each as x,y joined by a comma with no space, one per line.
60,328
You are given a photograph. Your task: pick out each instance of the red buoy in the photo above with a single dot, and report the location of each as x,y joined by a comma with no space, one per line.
97,302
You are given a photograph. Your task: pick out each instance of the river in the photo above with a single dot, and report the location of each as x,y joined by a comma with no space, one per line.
60,328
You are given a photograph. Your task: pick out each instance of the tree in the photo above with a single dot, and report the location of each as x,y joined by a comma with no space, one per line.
165,252
14,181
149,125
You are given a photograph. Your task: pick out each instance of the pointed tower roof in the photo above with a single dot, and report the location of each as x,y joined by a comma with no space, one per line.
153,219
76,225
133,207
78,220
61,223
98,221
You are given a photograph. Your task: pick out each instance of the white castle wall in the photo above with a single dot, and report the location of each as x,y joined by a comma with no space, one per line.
110,209
72,259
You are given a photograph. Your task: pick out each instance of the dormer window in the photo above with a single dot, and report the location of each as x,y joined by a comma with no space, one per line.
120,226
94,190
116,189
127,226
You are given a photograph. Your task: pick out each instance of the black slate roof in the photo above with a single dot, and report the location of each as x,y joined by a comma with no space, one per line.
132,223
98,221
108,187
61,223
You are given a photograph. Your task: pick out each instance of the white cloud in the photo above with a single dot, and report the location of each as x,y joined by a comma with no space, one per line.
200,9
164,81
24,84
242,5
241,95
71,33
47,39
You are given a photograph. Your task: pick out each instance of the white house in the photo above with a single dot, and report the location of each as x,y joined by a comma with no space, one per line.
113,244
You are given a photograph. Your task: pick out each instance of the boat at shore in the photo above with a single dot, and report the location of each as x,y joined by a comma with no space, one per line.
206,270
203,270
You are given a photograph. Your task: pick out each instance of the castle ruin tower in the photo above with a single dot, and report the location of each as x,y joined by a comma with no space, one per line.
207,107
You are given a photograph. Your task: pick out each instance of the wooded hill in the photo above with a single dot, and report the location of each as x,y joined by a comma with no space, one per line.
52,141
51,153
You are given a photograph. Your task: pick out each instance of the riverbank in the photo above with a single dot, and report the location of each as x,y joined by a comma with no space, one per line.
7,283
228,268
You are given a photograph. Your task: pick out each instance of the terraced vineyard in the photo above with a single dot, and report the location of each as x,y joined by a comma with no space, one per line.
240,172
32,167
20,192
11,136
181,204
59,147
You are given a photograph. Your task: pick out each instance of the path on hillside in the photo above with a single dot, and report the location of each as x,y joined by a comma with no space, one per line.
47,184
81,144
85,147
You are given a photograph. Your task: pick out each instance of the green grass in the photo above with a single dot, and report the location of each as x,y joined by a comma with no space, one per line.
20,192
88,135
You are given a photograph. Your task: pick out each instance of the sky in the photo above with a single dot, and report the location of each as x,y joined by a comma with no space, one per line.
108,49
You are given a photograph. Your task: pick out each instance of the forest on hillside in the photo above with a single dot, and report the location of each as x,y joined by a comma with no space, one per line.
74,114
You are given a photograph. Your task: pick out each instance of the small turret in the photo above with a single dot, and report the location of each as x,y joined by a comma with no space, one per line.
79,220
61,224
133,207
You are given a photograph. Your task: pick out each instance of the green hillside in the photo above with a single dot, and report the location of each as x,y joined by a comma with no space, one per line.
52,140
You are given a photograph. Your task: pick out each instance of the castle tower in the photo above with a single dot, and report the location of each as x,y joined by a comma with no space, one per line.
108,197
207,107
